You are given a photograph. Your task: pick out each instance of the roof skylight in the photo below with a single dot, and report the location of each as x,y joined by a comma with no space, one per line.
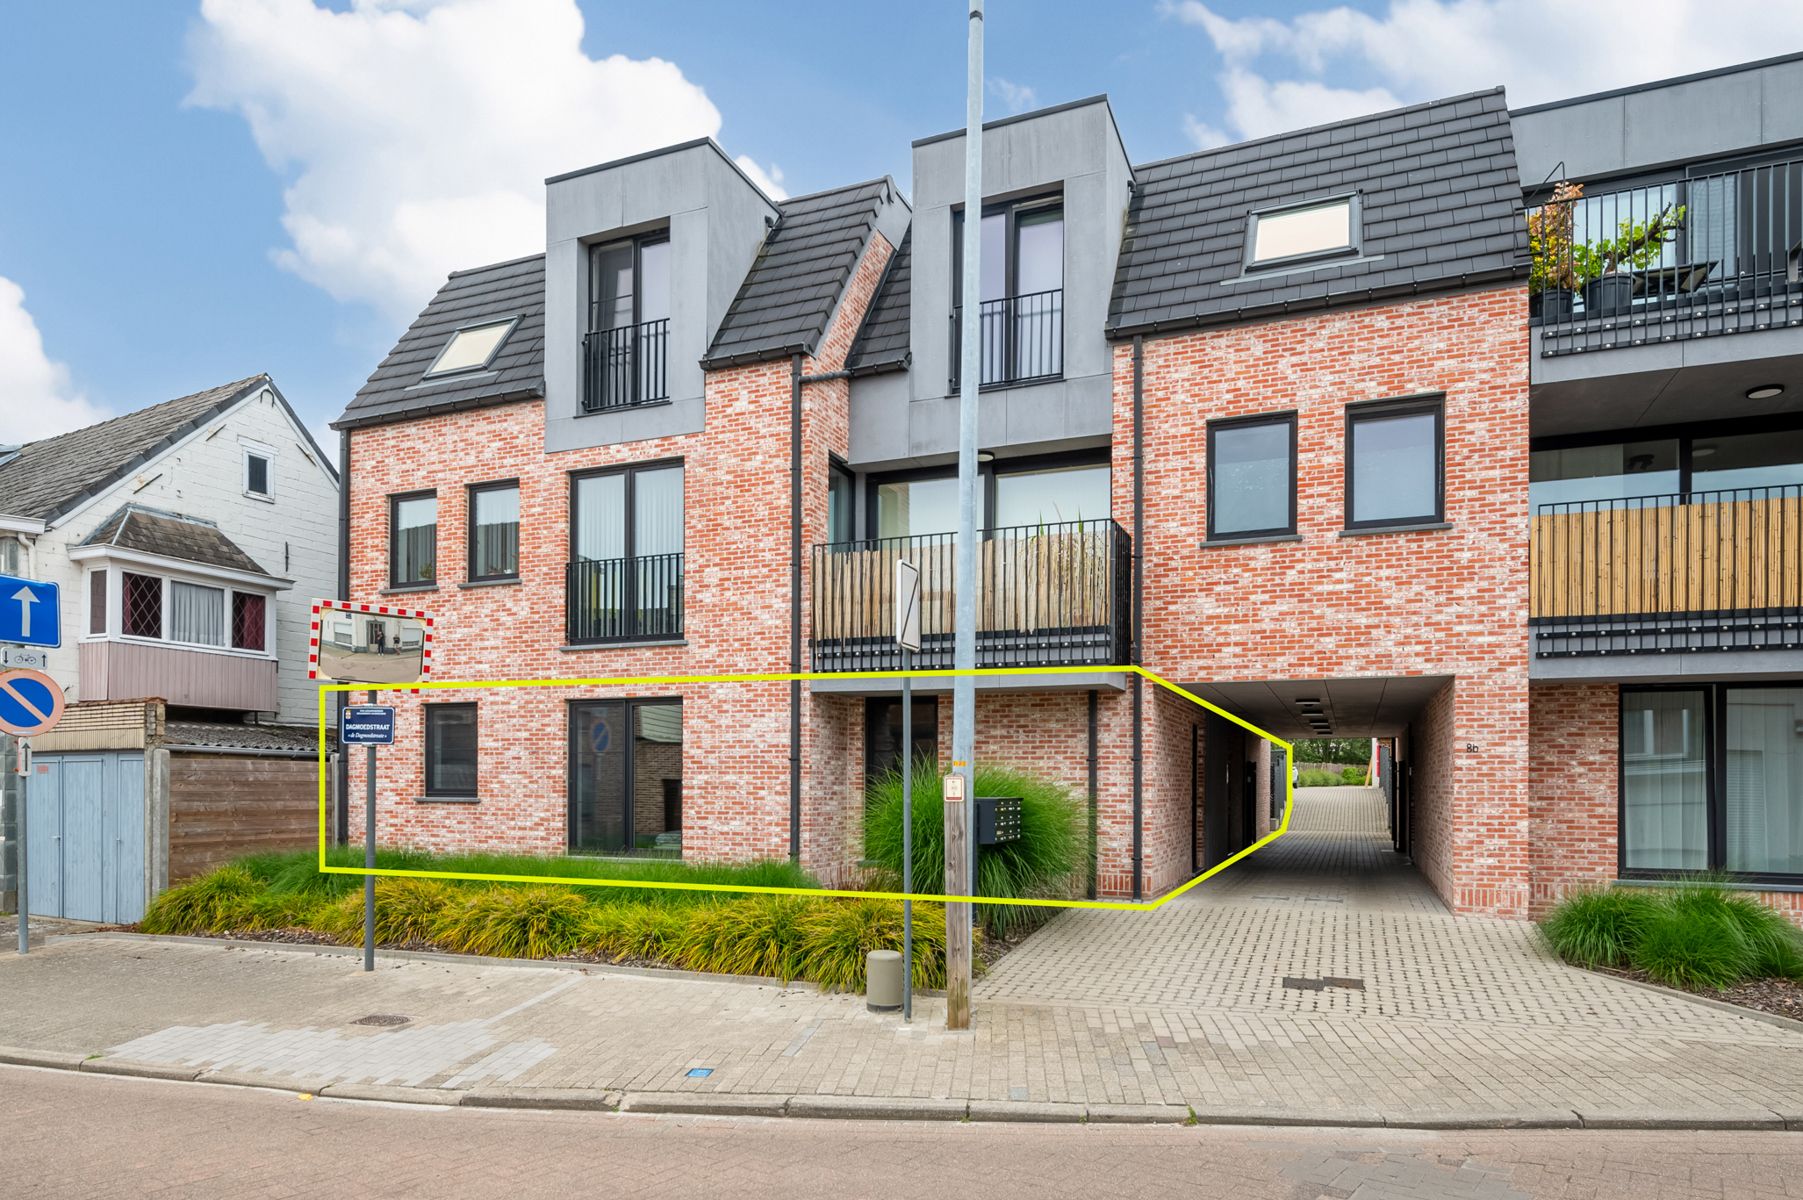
1303,231
471,349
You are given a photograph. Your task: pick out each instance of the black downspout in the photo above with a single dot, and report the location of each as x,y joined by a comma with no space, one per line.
1092,793
344,593
795,608
1139,554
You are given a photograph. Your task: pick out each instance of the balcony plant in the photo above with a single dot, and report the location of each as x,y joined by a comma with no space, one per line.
1551,276
1606,265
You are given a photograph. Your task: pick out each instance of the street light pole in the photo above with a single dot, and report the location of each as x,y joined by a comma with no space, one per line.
960,792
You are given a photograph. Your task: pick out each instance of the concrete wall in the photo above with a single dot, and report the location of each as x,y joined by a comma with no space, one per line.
293,534
1641,128
716,219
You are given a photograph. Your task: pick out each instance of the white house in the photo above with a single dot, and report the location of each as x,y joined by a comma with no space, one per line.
190,540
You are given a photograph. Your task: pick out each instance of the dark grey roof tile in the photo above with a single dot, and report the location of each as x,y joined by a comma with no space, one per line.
171,535
882,343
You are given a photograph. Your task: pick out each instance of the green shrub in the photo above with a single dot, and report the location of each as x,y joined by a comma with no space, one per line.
1311,779
1689,946
636,930
1600,927
836,937
513,921
1353,776
1042,862
760,935
212,903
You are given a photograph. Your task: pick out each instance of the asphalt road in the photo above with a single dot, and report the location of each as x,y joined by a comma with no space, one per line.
63,1134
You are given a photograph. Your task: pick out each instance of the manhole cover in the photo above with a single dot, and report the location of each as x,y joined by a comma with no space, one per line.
382,1019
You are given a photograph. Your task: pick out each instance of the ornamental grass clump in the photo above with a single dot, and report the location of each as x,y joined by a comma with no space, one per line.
635,930
837,937
513,921
1599,927
1042,863
760,935
408,911
213,903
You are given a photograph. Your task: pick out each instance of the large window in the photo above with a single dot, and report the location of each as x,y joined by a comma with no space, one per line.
1712,780
196,614
494,531
1395,463
1020,324
451,750
883,734
180,611
626,777
1031,491
1604,471
413,540
625,578
1252,476
625,349
1669,465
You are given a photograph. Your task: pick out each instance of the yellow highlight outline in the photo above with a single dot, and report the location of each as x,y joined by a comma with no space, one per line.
326,689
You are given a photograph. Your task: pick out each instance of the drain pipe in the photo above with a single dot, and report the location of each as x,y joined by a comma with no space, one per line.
796,381
1092,793
1139,554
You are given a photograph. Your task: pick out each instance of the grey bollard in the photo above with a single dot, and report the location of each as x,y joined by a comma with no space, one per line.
883,976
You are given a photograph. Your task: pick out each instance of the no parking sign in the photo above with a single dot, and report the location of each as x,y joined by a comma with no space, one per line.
30,703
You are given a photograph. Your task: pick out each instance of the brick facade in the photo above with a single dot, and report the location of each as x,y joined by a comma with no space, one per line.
1445,602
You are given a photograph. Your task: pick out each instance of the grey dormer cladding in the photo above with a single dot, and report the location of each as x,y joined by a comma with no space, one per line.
801,270
172,535
882,342
398,389
1440,201
45,479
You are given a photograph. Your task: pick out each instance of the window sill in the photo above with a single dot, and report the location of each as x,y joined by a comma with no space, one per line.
408,589
1677,879
623,408
622,645
1416,527
265,497
1222,543
509,581
446,800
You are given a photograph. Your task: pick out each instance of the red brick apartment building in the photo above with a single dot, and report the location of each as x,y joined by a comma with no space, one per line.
1279,421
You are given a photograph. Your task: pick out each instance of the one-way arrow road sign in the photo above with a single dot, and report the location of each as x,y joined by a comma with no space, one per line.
30,612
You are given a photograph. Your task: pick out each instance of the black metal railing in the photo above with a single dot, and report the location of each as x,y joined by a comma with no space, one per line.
1708,254
1022,339
1719,570
623,599
1047,595
626,366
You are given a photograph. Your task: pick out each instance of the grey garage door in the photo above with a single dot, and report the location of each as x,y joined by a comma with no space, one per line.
85,836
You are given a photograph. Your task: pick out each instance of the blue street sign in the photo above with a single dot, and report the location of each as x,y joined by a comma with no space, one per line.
366,725
30,702
30,614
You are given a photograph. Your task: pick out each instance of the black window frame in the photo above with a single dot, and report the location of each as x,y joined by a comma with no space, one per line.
839,472
1715,724
1099,456
470,494
628,768
1288,417
629,511
1400,406
592,327
1354,231
1012,210
875,709
395,500
428,741
1686,434
251,459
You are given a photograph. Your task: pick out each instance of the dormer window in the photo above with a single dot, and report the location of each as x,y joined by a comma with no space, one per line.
1301,232
471,349
625,347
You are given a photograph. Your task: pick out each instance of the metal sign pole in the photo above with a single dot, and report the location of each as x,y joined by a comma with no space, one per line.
369,860
23,768
907,838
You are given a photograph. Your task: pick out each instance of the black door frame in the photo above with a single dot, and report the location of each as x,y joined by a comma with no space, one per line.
572,779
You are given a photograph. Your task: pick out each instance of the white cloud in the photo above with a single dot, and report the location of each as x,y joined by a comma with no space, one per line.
414,136
1295,69
40,399
1016,97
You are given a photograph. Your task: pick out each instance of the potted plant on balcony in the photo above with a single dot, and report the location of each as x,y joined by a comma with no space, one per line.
1551,275
1606,266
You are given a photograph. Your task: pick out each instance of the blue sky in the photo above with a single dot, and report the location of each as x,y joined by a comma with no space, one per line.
196,192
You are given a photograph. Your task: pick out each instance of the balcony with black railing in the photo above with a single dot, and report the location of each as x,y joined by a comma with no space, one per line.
625,367
1720,570
1047,595
623,599
1707,254
1022,338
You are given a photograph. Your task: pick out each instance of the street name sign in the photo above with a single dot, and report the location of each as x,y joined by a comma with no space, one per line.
30,703
366,725
30,612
